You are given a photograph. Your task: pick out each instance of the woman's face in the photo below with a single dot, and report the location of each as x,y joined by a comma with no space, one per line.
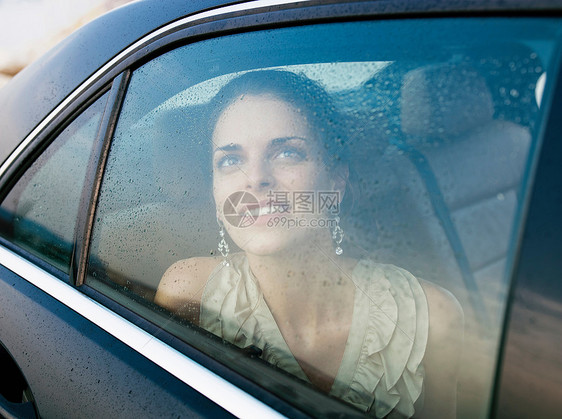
267,155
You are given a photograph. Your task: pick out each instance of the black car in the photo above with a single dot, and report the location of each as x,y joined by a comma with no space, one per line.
444,117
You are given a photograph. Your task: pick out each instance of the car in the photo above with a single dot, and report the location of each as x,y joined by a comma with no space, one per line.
447,117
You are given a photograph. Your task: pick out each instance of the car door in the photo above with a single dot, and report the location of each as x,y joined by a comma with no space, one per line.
442,134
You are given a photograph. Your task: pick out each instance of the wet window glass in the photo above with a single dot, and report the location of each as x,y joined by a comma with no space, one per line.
331,207
40,212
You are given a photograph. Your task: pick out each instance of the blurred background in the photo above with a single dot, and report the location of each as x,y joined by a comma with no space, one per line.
28,28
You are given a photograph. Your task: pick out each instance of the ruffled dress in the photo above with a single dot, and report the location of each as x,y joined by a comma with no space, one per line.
381,372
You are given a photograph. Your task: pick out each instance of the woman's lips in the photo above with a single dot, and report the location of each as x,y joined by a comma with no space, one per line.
264,208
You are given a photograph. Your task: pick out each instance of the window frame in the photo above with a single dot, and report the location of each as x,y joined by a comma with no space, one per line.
29,155
535,272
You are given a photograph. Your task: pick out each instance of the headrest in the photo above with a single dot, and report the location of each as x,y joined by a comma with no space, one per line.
443,101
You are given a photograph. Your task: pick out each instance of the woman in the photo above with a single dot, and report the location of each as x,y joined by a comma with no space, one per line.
369,333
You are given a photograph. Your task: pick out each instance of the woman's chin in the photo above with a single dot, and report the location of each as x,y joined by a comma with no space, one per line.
270,242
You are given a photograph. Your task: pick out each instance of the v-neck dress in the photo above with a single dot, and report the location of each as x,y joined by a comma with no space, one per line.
381,371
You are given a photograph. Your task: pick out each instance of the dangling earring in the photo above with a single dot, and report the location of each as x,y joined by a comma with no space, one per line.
337,236
223,245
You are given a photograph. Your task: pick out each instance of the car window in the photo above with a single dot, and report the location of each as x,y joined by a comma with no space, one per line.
338,200
39,213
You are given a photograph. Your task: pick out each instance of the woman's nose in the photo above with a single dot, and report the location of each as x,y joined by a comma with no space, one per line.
260,176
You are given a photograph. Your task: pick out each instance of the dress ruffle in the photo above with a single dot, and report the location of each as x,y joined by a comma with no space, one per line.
389,372
381,371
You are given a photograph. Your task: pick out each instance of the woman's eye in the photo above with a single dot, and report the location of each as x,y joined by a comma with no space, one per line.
229,160
291,153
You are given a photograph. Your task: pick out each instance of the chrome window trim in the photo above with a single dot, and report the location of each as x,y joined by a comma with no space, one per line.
123,54
212,386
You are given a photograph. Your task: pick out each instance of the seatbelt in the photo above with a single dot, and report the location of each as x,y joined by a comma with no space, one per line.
444,216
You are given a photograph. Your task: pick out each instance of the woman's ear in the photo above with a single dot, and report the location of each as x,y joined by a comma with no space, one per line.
341,177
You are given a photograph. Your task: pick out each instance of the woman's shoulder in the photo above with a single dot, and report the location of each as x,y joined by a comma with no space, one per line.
444,347
194,267
446,322
185,281
442,303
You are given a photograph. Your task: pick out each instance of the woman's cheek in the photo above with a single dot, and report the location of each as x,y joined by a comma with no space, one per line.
231,180
309,180
294,177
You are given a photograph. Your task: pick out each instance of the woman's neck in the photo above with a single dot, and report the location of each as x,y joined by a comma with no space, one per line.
309,282
310,296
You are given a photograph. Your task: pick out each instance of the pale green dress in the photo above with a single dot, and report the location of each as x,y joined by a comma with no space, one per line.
381,371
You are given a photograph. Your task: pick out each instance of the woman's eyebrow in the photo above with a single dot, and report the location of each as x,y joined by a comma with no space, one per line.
228,147
282,140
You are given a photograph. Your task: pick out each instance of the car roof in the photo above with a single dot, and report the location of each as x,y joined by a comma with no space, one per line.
47,81
39,88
